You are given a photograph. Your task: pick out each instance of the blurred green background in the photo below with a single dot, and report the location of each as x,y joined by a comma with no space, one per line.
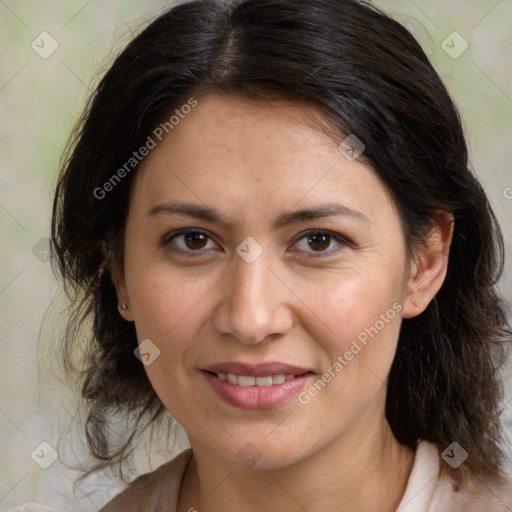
41,97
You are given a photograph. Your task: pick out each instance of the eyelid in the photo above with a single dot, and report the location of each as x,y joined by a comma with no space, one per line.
166,240
173,234
340,239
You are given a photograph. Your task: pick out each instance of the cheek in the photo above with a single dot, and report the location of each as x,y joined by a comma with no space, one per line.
169,309
358,319
160,295
347,303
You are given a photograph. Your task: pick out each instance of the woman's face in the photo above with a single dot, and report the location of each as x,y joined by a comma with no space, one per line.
225,274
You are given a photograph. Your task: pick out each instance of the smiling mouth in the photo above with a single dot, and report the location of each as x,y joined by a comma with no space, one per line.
247,381
260,391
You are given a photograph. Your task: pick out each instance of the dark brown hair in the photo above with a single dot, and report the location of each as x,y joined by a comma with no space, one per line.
369,75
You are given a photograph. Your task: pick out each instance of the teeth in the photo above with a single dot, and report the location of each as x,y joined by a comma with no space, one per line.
232,379
278,379
249,380
264,381
246,381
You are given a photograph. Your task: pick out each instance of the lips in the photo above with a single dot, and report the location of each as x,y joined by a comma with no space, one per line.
260,386
247,381
257,370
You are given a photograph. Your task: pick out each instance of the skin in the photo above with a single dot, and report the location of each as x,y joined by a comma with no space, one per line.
253,161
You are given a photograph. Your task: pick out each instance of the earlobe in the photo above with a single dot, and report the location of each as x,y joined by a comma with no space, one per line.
123,300
428,270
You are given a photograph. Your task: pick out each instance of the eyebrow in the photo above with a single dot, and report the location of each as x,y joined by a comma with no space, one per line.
285,219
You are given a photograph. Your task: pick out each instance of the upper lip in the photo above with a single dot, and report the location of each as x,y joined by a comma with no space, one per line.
256,370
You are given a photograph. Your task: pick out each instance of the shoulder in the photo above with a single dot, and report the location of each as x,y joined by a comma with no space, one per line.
153,491
477,494
431,487
32,507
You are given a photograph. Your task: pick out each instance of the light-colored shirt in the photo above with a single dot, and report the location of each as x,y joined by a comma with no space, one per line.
429,489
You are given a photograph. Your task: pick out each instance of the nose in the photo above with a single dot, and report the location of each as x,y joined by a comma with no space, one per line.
255,303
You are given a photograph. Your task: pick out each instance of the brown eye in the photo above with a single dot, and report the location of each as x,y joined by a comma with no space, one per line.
319,242
195,240
189,240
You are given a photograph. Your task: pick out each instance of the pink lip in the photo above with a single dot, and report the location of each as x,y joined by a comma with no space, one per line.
256,397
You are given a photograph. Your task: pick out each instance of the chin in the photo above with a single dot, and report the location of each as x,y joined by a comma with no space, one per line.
259,452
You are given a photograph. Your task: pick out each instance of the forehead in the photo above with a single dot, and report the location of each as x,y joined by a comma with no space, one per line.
234,151
227,126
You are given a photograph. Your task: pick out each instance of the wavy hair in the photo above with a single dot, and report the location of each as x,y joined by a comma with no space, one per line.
369,75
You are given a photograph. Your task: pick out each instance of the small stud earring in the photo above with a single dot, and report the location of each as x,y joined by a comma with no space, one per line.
124,307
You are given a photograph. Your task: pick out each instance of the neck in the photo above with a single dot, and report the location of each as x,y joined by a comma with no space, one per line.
365,469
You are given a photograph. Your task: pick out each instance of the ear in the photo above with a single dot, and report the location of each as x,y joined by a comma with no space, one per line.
428,266
119,283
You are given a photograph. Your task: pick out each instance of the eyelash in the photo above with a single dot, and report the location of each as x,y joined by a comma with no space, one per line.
342,241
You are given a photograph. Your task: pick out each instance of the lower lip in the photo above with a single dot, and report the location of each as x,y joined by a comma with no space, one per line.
256,397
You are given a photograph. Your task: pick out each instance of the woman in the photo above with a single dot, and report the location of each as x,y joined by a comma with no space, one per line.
268,215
